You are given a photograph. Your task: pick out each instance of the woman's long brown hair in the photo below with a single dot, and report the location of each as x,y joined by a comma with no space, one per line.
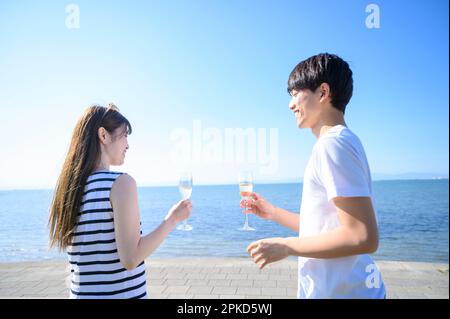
81,160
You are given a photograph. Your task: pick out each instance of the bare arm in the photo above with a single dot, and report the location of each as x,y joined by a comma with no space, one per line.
286,218
357,234
131,247
262,208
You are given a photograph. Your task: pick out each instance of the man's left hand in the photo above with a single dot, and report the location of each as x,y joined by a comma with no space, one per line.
266,251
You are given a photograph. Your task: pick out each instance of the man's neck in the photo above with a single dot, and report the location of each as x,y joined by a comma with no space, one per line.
327,121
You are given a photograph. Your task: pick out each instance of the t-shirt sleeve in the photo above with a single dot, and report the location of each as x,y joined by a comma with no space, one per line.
341,170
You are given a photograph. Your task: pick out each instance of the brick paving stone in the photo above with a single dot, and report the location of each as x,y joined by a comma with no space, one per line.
231,278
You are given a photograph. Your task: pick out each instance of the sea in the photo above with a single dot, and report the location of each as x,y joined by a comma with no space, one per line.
412,217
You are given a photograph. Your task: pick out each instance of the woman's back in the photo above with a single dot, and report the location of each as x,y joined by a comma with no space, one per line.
96,270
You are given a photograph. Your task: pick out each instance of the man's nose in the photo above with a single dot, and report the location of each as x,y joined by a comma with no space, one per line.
291,105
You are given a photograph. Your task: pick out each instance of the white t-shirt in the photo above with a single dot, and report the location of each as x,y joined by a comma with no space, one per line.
337,167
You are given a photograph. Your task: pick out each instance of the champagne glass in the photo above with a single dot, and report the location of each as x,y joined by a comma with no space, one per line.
185,188
246,189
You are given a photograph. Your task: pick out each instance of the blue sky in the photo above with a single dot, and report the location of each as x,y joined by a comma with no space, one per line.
167,64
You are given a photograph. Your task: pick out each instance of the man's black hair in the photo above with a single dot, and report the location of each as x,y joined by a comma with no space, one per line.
324,68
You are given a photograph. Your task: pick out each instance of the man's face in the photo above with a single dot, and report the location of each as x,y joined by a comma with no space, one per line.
306,107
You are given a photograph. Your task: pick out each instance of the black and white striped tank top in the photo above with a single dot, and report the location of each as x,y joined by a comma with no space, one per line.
96,271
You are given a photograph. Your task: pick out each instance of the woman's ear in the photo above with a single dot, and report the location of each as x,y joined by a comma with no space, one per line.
103,135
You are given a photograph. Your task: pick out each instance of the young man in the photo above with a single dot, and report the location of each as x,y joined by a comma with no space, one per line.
337,223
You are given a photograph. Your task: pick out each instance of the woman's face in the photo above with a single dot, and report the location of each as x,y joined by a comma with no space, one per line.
118,146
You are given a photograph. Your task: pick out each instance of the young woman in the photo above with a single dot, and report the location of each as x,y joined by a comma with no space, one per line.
94,214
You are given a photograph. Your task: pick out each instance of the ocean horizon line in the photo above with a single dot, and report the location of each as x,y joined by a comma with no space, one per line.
263,182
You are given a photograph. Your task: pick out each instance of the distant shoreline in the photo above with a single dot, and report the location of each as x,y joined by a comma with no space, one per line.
256,182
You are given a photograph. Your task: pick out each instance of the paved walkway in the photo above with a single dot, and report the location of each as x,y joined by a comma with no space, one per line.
221,278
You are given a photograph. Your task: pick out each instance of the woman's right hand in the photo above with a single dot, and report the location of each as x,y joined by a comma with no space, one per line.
257,205
180,211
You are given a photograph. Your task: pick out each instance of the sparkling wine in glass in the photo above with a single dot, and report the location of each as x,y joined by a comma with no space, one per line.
245,190
185,188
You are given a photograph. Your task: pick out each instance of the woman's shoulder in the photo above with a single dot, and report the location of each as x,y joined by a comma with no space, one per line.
123,191
123,182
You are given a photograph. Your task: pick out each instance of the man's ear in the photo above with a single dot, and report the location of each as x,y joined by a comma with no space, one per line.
324,91
102,135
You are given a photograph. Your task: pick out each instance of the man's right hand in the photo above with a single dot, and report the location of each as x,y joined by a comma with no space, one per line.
257,205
